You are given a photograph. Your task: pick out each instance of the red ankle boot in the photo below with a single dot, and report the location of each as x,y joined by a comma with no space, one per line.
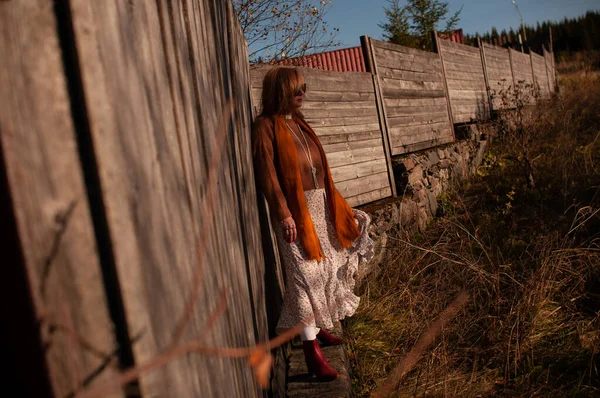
328,339
316,362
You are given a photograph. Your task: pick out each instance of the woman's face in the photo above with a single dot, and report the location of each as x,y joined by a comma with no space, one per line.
299,97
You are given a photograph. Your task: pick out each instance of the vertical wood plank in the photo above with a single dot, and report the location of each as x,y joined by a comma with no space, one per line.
39,145
547,71
156,125
383,121
536,87
512,69
436,43
485,74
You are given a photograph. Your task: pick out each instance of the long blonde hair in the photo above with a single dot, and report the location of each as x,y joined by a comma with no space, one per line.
280,85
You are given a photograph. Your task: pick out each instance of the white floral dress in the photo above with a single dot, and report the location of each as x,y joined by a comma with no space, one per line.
317,293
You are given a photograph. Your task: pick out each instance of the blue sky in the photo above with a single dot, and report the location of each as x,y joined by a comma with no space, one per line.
355,18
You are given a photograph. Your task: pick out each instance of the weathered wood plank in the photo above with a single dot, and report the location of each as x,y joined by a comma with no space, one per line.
387,57
519,57
256,261
368,197
351,145
383,123
335,130
410,75
501,72
349,137
497,56
330,96
150,206
416,94
479,109
399,61
332,105
395,84
402,49
457,46
39,145
439,51
341,121
425,119
466,94
358,170
466,85
343,158
414,102
457,67
402,134
361,185
415,110
337,113
417,146
464,75
462,57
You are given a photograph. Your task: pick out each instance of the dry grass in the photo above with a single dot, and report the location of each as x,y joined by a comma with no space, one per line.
529,259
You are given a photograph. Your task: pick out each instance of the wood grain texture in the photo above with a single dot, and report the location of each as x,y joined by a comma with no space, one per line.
413,90
159,92
540,74
406,50
369,51
38,140
465,78
368,197
522,74
357,170
551,73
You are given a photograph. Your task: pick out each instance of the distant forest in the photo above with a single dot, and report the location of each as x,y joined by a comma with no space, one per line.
569,36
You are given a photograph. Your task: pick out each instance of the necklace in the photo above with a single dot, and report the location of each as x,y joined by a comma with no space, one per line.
306,150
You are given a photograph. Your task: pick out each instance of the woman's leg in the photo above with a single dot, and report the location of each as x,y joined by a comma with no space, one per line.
308,333
315,360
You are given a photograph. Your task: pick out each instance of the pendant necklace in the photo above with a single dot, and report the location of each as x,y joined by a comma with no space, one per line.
306,150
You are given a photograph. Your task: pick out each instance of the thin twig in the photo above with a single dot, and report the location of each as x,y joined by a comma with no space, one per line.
409,361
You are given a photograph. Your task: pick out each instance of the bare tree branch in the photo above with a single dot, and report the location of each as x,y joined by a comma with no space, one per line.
278,29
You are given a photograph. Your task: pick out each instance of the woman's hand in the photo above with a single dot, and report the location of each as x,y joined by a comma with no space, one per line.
289,229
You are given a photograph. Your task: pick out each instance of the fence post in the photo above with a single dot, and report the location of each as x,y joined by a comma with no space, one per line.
436,44
512,69
533,78
371,64
547,71
485,75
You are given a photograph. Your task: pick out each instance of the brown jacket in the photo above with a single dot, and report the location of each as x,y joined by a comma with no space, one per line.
278,176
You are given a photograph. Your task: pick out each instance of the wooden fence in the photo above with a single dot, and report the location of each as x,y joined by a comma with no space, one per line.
550,70
412,86
522,75
540,75
127,190
133,192
465,80
499,75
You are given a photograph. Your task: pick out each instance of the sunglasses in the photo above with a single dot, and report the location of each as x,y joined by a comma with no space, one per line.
300,90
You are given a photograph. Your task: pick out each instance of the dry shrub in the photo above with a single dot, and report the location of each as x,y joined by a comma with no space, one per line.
529,259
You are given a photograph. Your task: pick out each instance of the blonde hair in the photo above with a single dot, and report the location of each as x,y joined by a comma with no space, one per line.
280,86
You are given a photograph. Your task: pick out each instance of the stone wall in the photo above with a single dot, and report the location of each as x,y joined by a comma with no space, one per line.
420,179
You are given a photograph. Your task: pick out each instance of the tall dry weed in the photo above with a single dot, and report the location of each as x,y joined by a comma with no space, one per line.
529,258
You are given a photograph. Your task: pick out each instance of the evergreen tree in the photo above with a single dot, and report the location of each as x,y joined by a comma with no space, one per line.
495,36
397,29
571,35
412,24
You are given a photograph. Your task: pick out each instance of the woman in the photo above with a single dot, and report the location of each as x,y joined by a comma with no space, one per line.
321,239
